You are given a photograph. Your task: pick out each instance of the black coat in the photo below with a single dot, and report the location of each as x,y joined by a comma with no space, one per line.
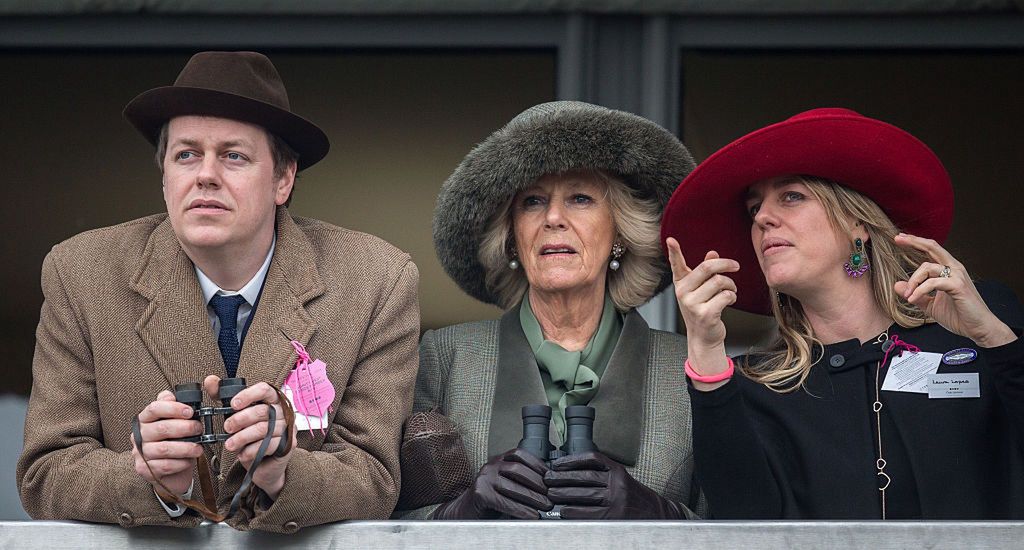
811,454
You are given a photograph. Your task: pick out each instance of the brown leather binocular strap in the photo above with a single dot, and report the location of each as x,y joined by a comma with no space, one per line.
208,506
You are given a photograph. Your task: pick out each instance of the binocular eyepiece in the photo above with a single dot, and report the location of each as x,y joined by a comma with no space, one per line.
579,437
579,431
191,394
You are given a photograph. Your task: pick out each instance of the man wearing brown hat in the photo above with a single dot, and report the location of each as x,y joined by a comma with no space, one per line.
225,284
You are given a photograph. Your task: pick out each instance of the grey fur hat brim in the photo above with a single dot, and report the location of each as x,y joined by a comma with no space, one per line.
549,138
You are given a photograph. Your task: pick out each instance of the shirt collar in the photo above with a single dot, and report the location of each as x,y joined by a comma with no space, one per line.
250,291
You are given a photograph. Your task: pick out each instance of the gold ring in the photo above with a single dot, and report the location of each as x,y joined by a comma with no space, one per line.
945,272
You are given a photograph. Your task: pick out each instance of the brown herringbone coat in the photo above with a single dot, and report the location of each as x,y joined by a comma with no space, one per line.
124,318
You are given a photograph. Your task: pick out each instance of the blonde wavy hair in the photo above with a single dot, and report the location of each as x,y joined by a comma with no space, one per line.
636,222
785,364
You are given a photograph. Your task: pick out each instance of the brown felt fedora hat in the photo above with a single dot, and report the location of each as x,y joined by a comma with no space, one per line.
241,86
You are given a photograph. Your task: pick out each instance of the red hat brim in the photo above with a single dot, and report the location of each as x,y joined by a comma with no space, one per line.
890,166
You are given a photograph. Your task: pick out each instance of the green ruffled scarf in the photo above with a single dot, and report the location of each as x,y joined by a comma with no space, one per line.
571,377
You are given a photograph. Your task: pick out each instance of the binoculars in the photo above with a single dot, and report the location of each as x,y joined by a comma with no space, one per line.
579,438
192,395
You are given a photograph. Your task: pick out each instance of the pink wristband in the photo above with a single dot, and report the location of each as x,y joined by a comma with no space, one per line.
724,375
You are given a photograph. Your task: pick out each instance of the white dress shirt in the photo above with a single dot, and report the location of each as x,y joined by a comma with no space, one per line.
250,292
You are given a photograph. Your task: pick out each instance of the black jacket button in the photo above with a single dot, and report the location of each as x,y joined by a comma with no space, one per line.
837,360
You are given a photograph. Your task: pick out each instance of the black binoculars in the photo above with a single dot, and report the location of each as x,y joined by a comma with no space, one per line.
579,438
192,395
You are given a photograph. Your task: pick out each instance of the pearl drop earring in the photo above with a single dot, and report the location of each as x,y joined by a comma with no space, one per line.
617,251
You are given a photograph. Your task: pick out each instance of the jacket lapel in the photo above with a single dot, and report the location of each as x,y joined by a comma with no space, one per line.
517,383
619,403
280,317
175,326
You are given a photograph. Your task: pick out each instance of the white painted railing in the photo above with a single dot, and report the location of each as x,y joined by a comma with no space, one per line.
562,535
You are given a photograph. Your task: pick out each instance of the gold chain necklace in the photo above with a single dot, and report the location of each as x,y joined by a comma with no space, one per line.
880,463
888,345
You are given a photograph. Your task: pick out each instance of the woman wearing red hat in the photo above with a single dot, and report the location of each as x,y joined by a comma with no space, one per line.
894,387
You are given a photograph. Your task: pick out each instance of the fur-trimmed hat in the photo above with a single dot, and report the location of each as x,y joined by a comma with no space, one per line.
549,138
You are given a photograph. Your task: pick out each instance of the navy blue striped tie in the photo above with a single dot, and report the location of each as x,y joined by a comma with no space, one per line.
226,308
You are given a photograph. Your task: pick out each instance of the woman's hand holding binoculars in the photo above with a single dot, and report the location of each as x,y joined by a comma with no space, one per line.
510,484
592,486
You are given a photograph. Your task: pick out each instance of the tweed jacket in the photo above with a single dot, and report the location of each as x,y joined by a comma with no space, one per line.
124,318
481,374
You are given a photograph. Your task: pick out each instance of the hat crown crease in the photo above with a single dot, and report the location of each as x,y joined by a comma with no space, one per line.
244,76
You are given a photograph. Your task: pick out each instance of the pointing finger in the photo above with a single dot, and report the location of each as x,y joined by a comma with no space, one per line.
676,259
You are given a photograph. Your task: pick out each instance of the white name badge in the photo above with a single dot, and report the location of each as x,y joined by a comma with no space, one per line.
909,372
959,384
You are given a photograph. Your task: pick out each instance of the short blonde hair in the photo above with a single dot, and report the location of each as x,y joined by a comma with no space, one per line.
784,366
637,228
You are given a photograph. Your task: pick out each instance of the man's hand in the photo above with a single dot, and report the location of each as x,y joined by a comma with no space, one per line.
248,427
169,461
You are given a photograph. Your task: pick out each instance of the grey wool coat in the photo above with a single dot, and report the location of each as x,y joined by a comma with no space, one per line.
124,318
480,375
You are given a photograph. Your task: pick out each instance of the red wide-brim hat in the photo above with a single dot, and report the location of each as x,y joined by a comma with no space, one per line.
886,164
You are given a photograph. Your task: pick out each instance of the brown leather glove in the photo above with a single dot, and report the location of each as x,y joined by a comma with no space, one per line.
510,484
593,486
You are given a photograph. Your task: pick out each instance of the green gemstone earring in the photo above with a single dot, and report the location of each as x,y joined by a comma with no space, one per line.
858,263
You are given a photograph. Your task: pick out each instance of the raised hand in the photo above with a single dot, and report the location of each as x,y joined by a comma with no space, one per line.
703,293
943,289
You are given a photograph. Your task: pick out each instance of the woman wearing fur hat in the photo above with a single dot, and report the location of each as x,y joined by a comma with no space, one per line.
554,218
894,387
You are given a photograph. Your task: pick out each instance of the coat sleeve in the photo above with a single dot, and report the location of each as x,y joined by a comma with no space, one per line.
732,467
431,377
356,473
65,470
1007,361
